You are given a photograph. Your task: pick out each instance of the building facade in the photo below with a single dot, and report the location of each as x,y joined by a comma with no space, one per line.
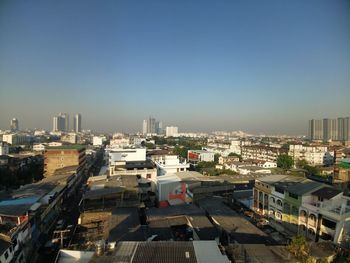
77,122
195,156
170,164
314,155
56,158
330,129
14,125
171,131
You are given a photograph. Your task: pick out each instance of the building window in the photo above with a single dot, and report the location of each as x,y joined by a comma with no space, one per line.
149,176
279,190
328,223
279,202
293,195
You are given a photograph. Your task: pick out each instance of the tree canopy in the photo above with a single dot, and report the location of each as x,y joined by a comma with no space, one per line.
284,161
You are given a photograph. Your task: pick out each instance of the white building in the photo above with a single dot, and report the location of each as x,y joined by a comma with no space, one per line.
171,131
127,155
98,140
39,147
54,144
69,138
170,164
314,155
267,164
14,139
235,147
4,148
325,214
120,142
195,156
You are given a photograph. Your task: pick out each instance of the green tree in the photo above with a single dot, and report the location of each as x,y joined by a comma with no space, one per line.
299,247
284,161
302,163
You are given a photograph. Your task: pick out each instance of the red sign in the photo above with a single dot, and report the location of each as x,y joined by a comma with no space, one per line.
193,156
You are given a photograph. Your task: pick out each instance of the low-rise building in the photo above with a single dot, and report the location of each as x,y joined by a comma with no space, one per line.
343,170
279,197
170,164
261,152
228,159
98,140
325,215
126,155
267,164
301,206
195,156
15,139
69,138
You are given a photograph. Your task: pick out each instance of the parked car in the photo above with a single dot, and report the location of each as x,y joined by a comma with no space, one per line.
249,214
263,222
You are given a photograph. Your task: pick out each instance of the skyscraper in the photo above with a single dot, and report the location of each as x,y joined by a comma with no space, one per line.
330,129
159,127
144,127
66,121
316,129
77,122
61,122
14,124
151,125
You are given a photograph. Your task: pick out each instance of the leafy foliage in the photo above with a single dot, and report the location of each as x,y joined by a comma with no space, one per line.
284,161
299,247
311,170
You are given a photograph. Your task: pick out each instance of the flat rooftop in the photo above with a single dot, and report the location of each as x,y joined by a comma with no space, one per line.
125,225
67,147
164,252
239,228
161,219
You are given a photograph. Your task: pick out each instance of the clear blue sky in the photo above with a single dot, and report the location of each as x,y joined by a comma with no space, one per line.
257,66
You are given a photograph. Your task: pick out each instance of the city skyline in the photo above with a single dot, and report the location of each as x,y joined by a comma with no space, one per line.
260,68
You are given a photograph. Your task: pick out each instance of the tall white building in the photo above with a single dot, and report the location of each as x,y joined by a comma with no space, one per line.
144,127
14,125
171,131
61,122
151,125
77,122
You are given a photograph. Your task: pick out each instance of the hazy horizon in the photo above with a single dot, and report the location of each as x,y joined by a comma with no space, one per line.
260,67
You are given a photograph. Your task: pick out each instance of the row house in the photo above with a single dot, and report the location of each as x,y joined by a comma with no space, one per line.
279,198
302,206
325,215
31,213
263,153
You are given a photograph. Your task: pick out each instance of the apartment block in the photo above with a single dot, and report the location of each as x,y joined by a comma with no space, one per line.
262,153
56,158
314,155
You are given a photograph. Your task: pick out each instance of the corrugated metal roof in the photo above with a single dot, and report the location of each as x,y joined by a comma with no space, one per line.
208,252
